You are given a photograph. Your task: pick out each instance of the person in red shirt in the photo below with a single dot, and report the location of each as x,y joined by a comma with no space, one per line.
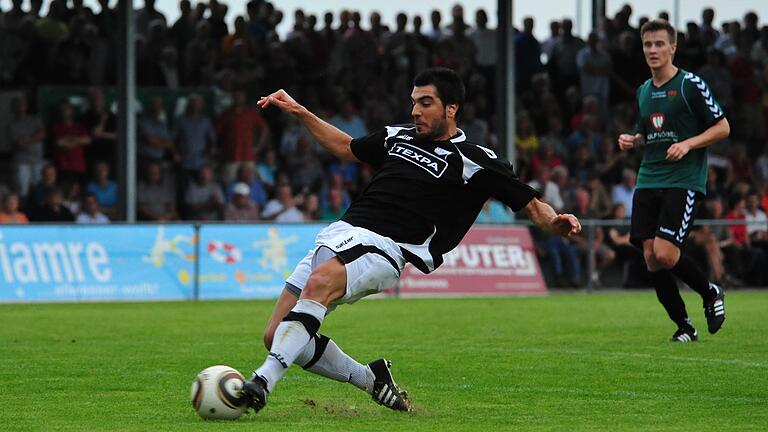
70,138
236,128
739,232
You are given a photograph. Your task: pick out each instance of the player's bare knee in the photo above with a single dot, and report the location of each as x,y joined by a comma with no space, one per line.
666,254
650,260
319,288
666,259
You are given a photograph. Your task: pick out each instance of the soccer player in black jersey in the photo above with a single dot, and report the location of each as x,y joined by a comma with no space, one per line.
429,186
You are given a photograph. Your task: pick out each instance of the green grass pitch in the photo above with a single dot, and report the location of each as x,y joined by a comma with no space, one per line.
558,363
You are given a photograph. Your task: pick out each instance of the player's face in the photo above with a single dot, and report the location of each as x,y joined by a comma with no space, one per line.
429,114
658,49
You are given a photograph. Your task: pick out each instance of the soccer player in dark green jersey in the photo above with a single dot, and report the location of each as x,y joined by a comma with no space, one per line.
678,118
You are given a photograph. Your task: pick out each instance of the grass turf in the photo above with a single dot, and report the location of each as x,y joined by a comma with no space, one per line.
562,362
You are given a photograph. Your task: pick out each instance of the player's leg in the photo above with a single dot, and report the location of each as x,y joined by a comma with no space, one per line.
669,295
646,206
675,222
300,325
321,355
296,339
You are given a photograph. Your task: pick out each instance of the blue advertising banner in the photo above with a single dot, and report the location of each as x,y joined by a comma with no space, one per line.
117,262
250,261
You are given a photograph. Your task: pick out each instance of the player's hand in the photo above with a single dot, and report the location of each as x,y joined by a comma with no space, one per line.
677,151
627,141
566,225
280,99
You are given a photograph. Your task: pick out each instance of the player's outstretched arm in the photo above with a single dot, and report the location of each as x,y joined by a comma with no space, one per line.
329,136
544,216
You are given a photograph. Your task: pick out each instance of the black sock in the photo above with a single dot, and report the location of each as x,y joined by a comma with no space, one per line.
669,297
689,272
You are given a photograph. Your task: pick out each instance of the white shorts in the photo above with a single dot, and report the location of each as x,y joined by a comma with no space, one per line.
373,262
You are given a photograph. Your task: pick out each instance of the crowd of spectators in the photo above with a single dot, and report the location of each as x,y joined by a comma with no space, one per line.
232,161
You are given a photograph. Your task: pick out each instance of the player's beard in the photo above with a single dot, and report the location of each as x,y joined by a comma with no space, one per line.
438,130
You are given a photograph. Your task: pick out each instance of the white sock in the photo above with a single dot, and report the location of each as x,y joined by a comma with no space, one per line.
290,338
336,365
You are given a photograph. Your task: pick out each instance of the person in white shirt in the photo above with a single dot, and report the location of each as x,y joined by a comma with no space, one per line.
550,190
91,213
623,192
283,208
757,230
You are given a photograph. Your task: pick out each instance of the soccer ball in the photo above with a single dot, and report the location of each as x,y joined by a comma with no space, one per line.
215,393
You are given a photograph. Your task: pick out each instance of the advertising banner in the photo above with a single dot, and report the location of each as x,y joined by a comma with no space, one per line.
113,262
250,261
489,261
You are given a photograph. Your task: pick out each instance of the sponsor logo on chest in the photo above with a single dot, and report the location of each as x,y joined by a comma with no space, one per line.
657,121
661,94
419,157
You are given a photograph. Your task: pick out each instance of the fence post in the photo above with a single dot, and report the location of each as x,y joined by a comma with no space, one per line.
196,272
590,256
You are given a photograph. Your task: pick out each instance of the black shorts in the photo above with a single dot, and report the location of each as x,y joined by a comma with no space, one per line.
665,213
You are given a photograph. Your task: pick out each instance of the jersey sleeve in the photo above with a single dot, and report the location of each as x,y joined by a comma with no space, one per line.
495,177
701,101
370,148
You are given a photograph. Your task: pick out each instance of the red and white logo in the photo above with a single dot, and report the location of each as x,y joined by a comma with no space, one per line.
225,253
657,120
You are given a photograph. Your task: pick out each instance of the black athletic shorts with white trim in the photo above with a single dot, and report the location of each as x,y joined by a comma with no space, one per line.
664,213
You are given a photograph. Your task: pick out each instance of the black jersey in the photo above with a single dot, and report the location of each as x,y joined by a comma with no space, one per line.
425,195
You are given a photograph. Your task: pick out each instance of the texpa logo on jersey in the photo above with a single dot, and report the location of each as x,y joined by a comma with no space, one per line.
419,157
657,120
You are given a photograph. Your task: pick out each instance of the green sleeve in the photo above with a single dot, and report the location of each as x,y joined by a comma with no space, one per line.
701,101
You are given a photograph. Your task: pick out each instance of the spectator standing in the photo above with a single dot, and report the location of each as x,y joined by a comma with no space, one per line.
70,138
146,15
194,136
485,41
563,59
237,128
527,55
101,125
26,134
155,139
595,72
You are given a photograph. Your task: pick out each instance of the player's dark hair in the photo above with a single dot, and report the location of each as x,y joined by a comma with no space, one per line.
450,88
659,24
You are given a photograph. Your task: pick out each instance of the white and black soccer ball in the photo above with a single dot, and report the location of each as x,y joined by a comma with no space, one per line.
215,393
